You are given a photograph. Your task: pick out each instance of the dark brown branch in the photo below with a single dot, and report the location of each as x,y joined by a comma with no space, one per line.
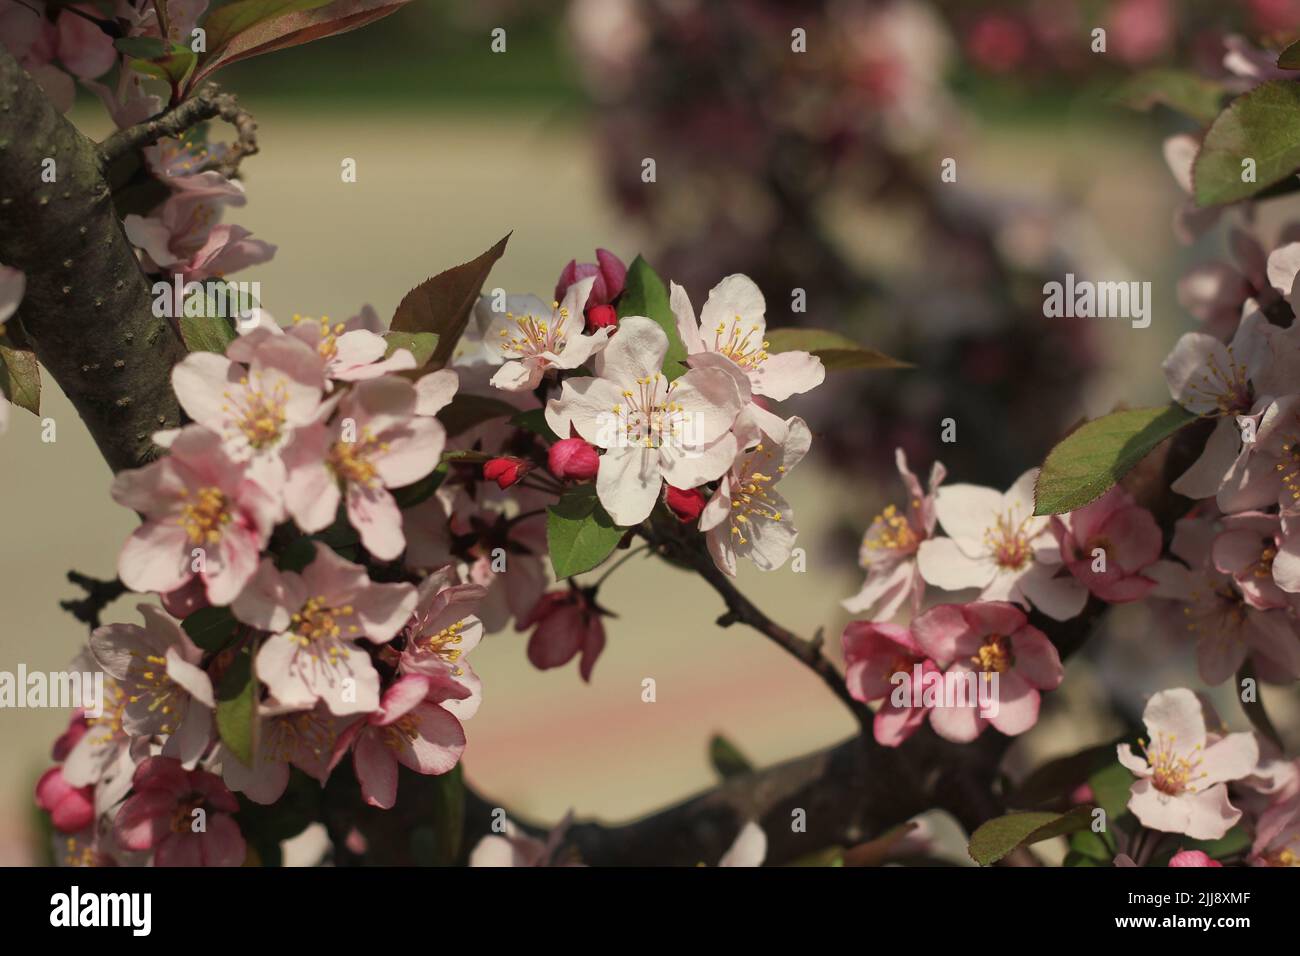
99,595
206,104
87,311
740,610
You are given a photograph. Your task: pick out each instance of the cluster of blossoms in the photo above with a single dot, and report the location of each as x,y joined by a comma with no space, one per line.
1013,561
1226,584
354,553
290,428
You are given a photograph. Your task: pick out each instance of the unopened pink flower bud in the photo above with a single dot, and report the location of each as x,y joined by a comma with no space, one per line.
686,503
572,459
506,471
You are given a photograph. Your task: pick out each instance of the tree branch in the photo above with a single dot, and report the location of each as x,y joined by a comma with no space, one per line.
99,595
740,610
209,102
87,311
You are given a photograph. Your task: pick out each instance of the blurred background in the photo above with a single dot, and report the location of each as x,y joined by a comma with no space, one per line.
817,170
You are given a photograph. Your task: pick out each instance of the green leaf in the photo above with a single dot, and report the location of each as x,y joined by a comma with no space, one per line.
142,48
237,706
726,758
1254,709
993,840
1180,90
421,345
1055,779
174,65
836,352
437,842
1097,454
1289,59
534,420
1088,849
1235,841
644,293
443,304
297,555
411,495
1111,787
211,628
213,330
1263,125
579,534
467,410
20,378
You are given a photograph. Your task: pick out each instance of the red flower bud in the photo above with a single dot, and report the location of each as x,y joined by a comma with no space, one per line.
572,459
601,317
686,503
506,471
70,808
610,273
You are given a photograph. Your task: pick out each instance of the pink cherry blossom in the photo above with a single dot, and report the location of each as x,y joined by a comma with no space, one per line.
167,692
731,336
747,517
496,547
1233,383
1277,835
442,630
70,808
997,544
353,350
1248,548
653,431
84,50
105,755
315,619
376,442
163,815
185,235
1106,544
1212,609
532,338
410,729
874,655
204,517
990,637
1182,773
566,623
255,409
889,547
287,736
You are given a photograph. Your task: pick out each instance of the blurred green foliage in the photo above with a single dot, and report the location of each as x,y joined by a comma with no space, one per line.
428,53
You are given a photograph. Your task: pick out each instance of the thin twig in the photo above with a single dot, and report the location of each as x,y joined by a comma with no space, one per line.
740,610
207,103
99,595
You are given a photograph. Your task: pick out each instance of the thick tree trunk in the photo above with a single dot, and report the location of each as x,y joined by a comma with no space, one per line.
87,312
